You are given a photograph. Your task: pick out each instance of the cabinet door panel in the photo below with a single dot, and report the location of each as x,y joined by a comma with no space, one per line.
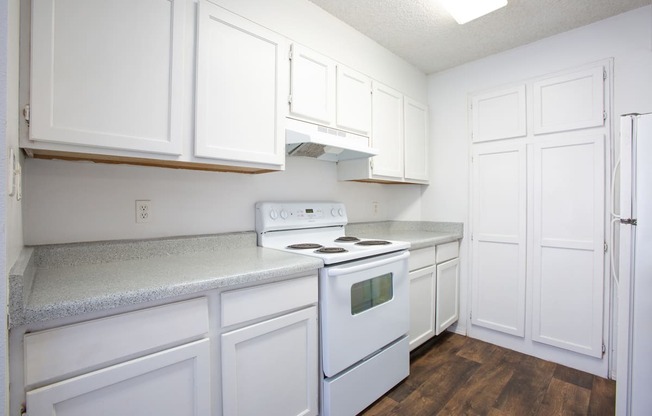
387,131
174,382
568,241
416,140
499,229
241,76
270,368
108,73
422,312
353,101
448,295
499,114
312,85
570,101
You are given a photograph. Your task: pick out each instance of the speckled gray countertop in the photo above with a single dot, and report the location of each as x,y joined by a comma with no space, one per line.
57,281
419,234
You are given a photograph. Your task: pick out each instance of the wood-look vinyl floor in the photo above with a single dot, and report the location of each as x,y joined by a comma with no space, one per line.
457,375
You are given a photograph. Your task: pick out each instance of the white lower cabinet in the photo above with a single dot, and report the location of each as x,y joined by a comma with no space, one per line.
154,361
434,291
270,368
448,295
422,305
174,382
270,353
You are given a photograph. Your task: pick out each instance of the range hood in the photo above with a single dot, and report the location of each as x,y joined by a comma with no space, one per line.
324,143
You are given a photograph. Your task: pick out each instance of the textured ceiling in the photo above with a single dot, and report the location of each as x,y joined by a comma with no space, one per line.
424,34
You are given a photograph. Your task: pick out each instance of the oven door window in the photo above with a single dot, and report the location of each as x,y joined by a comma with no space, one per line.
371,293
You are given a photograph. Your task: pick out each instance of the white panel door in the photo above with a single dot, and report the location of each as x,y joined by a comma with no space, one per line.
312,85
240,89
353,101
271,368
416,140
448,295
175,382
570,101
108,73
387,131
499,114
422,306
568,276
498,237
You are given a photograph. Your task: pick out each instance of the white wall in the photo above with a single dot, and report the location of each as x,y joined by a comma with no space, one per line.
626,38
78,201
72,201
11,234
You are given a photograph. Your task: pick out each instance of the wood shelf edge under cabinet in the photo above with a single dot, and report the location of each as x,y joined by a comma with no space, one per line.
138,161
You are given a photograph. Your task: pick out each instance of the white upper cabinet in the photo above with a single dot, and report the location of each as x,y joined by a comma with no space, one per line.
353,100
387,131
499,114
312,85
328,93
108,74
416,140
569,101
241,79
400,134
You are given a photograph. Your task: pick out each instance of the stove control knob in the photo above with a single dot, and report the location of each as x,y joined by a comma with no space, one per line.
273,214
284,214
334,212
341,212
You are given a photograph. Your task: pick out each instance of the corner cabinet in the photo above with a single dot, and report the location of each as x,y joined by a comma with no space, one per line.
270,349
89,368
399,132
102,78
241,71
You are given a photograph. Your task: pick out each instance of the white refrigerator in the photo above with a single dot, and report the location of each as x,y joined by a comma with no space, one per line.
634,276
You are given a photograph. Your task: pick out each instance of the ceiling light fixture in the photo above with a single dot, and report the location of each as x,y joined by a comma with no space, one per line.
466,10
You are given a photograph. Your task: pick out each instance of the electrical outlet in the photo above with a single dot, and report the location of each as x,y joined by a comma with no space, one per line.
376,207
143,212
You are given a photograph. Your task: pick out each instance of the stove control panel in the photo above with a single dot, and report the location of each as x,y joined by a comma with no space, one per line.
294,215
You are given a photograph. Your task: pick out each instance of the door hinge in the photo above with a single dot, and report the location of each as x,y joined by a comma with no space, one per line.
471,315
604,348
604,116
604,74
371,164
606,246
290,99
26,113
290,54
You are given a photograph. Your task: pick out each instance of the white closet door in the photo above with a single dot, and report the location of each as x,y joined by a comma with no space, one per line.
568,238
241,78
499,227
499,114
108,73
570,101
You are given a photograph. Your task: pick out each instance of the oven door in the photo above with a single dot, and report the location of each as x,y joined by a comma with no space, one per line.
364,307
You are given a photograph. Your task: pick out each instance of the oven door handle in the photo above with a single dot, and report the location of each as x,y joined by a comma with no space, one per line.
341,270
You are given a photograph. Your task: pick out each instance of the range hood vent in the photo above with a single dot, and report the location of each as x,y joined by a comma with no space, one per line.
324,143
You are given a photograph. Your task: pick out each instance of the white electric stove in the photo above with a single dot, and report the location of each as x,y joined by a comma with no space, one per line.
363,300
